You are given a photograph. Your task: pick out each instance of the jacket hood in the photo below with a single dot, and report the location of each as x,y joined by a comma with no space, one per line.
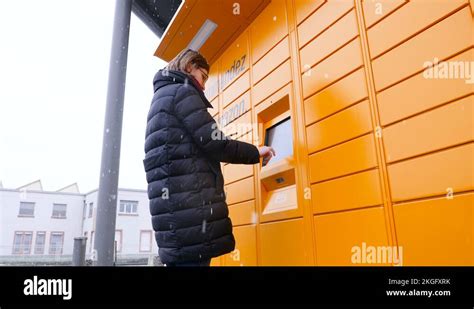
166,77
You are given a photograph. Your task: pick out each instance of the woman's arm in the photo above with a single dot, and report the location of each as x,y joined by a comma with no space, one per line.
192,112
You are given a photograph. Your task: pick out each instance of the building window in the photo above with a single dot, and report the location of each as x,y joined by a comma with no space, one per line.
145,241
92,241
40,242
59,211
91,208
128,207
84,210
27,209
56,241
22,242
118,240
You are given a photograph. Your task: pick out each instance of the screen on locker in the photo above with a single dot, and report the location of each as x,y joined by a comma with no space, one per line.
279,137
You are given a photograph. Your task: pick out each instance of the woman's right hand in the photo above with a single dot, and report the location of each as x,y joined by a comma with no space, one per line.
266,152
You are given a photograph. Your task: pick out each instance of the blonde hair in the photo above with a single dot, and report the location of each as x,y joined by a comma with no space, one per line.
188,57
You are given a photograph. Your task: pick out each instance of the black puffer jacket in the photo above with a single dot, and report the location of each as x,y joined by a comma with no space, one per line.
185,182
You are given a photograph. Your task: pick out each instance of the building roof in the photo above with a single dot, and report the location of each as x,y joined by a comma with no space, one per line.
35,185
72,188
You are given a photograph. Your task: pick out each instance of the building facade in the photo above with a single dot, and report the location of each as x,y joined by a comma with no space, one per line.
38,227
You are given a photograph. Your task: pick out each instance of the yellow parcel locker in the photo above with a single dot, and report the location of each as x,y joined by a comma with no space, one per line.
374,155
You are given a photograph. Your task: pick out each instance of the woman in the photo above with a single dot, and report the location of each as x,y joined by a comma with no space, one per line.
182,165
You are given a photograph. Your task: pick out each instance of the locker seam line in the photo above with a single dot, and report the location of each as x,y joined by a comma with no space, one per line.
352,39
327,28
340,143
369,169
406,202
420,71
384,17
338,111
333,82
433,108
297,96
309,14
348,210
421,30
256,173
389,219
279,65
428,153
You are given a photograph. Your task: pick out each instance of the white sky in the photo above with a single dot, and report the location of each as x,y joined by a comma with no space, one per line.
54,64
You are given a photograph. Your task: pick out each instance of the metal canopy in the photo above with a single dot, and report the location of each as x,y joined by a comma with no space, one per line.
156,14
